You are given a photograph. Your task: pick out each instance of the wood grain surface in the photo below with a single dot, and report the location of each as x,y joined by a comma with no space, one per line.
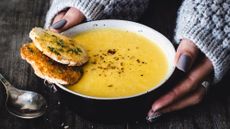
17,17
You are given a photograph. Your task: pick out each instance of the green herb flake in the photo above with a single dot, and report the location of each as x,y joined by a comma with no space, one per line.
60,42
54,36
60,49
76,51
50,62
60,71
31,50
53,50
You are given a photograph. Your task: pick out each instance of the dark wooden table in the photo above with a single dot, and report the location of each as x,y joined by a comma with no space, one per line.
17,17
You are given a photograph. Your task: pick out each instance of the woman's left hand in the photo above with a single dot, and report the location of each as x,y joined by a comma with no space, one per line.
188,91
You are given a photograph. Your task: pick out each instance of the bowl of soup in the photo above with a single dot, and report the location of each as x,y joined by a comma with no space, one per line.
128,61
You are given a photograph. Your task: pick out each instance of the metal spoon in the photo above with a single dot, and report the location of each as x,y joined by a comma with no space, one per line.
22,103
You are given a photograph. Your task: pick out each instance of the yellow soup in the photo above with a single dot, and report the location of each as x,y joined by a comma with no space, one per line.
121,64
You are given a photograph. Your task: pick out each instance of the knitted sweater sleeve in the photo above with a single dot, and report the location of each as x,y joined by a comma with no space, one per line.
207,24
100,9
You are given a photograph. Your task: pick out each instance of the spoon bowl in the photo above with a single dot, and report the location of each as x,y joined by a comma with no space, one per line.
22,103
26,104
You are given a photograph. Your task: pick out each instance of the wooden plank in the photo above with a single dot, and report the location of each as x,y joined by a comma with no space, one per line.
16,20
138,125
81,123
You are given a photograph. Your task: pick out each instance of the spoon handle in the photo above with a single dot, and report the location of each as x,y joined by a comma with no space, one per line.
5,82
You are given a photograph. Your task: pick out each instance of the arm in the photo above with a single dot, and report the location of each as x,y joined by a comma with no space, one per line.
207,24
99,9
202,25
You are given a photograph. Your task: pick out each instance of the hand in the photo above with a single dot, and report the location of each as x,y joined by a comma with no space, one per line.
67,19
188,91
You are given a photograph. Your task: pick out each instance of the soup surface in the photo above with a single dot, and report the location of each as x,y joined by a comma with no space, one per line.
121,64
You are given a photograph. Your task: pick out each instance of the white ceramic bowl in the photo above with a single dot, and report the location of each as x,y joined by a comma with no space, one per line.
147,32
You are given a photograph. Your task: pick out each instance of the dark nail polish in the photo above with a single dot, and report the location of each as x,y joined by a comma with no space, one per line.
184,62
59,24
153,116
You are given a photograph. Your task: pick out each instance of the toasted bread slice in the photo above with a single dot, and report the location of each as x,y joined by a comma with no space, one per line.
59,47
48,69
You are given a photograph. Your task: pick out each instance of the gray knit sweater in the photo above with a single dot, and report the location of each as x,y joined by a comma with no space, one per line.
205,22
100,9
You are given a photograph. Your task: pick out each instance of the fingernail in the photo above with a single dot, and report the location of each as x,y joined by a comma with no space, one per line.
153,116
184,62
59,24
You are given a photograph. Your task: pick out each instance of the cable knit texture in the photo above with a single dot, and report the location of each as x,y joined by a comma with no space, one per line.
100,9
207,24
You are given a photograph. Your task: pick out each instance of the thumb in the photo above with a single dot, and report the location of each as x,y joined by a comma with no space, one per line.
71,18
186,54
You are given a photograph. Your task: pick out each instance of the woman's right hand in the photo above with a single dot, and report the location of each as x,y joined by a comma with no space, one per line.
67,19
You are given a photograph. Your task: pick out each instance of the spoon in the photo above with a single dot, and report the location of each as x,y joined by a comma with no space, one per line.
22,103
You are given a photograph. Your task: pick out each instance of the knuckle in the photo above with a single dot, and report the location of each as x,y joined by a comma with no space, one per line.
174,92
198,98
192,48
192,82
169,109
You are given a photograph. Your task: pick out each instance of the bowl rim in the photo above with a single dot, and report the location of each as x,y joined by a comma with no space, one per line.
170,71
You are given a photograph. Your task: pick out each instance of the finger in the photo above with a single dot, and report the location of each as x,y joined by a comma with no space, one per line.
57,23
186,54
190,83
71,18
59,17
190,100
